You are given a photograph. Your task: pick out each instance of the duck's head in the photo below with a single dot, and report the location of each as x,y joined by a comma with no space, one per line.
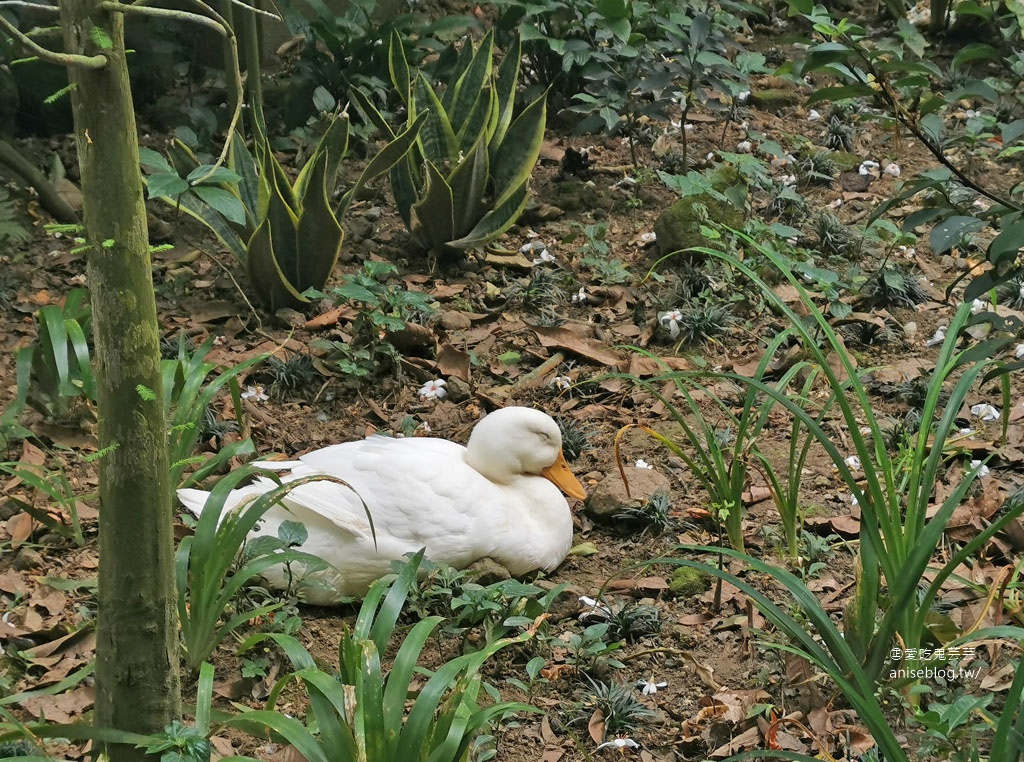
515,441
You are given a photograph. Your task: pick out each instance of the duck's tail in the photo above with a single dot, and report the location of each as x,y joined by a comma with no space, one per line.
193,500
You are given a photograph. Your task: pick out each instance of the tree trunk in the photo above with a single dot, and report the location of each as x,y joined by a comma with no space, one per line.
137,685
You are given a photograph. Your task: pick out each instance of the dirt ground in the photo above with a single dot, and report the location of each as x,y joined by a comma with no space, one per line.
490,333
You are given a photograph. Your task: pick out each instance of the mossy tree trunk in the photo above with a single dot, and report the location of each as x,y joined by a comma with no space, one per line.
137,685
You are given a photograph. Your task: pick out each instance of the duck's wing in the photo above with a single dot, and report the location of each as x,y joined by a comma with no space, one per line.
412,488
418,491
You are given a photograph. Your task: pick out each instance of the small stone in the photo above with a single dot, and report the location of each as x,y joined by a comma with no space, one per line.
453,320
27,559
8,508
372,214
458,390
291,318
487,571
359,228
609,499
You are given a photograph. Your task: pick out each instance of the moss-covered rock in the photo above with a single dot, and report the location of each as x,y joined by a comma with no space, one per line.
687,582
776,100
678,227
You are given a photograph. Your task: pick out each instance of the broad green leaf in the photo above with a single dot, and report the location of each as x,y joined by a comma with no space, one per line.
318,235
952,230
398,66
436,138
270,284
433,215
513,162
472,81
496,221
224,201
468,185
165,185
153,160
392,154
333,144
219,175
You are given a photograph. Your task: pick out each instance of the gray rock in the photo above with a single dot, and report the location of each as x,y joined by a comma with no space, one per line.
27,559
487,571
609,498
458,390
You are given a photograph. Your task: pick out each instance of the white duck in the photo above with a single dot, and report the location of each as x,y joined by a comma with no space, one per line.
496,497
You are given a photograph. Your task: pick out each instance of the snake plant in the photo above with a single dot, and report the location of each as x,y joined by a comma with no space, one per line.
286,233
465,182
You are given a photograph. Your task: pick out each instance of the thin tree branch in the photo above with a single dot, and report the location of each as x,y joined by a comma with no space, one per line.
167,13
254,9
33,6
214,21
237,72
51,200
50,56
268,14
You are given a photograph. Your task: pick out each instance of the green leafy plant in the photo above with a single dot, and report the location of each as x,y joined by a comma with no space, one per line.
466,180
593,650
347,46
187,398
899,534
384,309
60,492
719,452
364,713
618,704
11,231
286,233
205,565
910,88
784,485
55,371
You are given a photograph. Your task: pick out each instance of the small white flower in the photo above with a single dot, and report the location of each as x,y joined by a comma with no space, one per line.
867,166
620,743
595,609
220,341
648,238
908,252
650,687
981,468
641,463
853,463
544,256
562,383
671,320
628,181
981,204
938,337
972,113
688,127
744,146
813,115
891,169
580,296
836,204
710,157
978,306
743,96
967,432
434,389
854,502
788,180
1018,351
987,413
255,393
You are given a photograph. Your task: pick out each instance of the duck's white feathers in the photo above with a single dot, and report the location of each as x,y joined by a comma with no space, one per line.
421,493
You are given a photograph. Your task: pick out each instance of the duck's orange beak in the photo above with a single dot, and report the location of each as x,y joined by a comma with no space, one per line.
559,474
